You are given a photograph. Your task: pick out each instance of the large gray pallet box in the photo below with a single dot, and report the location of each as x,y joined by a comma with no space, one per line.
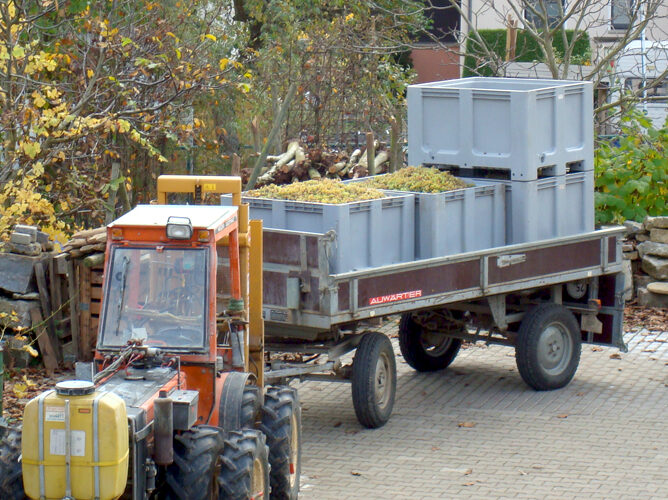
461,220
369,233
548,208
529,127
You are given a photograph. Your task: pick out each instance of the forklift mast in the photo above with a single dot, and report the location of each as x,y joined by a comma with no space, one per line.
250,255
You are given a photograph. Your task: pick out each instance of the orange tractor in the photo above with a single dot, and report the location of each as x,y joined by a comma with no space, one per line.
174,403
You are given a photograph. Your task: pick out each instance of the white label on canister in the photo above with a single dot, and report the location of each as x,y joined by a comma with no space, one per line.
77,443
55,414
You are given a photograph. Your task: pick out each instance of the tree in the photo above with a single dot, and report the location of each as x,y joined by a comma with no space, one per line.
342,55
83,81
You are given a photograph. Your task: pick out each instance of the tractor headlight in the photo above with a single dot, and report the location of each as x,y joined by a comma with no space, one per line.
179,228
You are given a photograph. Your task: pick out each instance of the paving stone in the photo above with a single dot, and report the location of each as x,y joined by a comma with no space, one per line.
610,445
656,267
660,287
647,298
633,227
659,235
653,248
656,222
21,238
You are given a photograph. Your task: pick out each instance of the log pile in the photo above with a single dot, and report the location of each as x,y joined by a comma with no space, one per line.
88,245
299,163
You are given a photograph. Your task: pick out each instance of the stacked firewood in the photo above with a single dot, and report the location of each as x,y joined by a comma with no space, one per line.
88,245
299,163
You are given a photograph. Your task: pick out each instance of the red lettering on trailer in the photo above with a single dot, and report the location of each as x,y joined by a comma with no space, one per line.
384,299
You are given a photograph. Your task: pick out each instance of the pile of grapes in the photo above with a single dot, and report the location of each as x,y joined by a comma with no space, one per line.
319,191
418,179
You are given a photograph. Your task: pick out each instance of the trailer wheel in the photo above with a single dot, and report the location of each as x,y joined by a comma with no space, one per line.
423,350
548,347
374,380
196,463
281,423
244,471
11,475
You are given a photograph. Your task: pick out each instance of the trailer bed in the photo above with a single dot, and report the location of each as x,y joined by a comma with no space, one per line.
302,298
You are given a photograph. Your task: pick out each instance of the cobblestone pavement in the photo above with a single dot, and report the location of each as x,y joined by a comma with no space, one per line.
476,431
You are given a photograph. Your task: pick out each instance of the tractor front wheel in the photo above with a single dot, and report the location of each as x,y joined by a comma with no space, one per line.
244,471
196,463
11,476
281,423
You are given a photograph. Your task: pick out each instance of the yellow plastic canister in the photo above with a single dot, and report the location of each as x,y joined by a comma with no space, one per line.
98,444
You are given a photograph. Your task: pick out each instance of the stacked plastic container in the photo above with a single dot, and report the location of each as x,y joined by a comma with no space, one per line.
369,233
457,221
533,136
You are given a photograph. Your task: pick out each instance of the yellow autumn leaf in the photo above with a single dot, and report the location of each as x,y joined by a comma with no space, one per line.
18,52
27,381
32,149
123,126
210,37
90,73
38,100
223,63
19,389
30,350
178,54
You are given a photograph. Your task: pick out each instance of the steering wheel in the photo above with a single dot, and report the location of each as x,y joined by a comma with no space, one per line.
176,336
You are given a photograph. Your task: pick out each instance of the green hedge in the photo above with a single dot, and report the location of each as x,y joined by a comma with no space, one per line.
527,49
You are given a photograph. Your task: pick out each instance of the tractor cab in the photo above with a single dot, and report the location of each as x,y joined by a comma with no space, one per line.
164,278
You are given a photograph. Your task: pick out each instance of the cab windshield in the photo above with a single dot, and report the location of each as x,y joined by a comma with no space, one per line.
156,295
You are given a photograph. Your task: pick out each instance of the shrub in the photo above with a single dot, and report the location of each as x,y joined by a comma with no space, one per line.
632,172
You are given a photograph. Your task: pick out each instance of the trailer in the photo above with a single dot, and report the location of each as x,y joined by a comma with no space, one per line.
544,298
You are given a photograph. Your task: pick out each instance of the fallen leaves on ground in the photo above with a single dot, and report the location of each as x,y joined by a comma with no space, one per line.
650,318
23,385
615,355
467,425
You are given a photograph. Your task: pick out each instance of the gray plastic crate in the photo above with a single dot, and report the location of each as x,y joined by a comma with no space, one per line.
369,233
548,208
461,220
529,127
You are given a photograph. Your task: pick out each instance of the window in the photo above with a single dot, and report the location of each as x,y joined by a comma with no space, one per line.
156,296
621,12
444,21
553,8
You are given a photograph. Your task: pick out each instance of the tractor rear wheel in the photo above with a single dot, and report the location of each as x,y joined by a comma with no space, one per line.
281,423
244,471
11,476
196,462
